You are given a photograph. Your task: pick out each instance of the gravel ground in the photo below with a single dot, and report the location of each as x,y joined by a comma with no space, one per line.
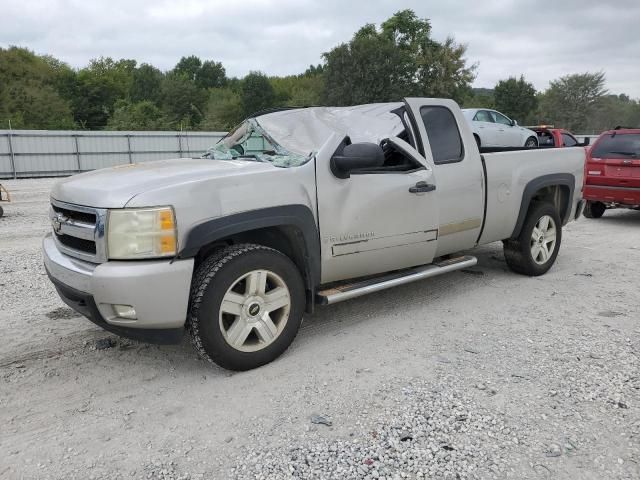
479,374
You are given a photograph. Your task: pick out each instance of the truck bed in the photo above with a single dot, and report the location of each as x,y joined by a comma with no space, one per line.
507,182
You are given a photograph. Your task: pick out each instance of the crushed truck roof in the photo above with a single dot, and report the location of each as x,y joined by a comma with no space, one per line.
305,130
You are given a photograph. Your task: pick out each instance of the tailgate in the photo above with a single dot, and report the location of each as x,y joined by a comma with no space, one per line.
615,161
614,172
623,171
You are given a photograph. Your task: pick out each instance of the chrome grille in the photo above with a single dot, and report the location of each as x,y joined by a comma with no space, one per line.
79,231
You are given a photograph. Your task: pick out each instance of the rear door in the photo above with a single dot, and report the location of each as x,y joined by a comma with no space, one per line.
444,134
617,159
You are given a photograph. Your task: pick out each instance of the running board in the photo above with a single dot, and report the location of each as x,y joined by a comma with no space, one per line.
348,291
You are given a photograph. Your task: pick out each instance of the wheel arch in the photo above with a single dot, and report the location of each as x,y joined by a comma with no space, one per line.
290,229
556,188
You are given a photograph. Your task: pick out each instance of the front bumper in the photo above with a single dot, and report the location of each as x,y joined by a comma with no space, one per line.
158,290
607,194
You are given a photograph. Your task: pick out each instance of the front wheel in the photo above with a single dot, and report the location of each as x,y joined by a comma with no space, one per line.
535,250
246,306
594,209
531,143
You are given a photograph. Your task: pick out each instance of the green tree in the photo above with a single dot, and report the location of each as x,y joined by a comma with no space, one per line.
182,101
516,98
368,69
399,59
146,84
443,70
571,100
256,93
299,90
479,98
224,110
100,86
188,67
211,75
33,91
612,110
144,115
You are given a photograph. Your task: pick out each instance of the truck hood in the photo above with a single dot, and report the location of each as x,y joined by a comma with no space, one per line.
115,187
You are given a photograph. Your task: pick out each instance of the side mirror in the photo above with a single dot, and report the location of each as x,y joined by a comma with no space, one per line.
514,123
357,156
586,141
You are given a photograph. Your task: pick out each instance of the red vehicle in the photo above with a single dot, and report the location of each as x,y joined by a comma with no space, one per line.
551,137
612,172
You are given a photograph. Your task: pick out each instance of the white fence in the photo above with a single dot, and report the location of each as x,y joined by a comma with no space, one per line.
33,153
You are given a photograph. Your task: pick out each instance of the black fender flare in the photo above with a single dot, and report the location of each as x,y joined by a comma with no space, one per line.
561,179
299,216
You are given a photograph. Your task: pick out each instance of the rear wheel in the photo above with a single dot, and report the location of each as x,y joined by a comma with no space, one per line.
1,211
535,250
531,143
247,303
594,209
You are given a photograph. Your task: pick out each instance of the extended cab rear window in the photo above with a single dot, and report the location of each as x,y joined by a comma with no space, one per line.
444,136
620,145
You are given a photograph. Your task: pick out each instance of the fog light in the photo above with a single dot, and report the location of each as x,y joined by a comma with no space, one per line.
125,311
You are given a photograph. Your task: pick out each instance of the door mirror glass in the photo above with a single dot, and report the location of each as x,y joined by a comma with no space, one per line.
356,156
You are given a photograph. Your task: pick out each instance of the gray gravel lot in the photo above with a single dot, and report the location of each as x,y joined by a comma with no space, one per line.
476,375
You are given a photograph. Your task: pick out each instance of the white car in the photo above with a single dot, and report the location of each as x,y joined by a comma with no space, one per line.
493,129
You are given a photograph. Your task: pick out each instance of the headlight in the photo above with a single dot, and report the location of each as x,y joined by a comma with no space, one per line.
141,233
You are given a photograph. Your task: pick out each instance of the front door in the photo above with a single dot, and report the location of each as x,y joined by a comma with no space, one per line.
506,133
376,220
487,129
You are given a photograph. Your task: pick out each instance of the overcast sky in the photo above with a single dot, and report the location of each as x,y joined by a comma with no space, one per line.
542,40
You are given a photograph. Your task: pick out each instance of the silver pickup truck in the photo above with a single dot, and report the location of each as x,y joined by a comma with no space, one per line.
295,208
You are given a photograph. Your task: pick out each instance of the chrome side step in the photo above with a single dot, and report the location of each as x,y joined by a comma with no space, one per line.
344,292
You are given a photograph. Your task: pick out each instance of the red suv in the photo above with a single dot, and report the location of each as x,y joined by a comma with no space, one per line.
612,172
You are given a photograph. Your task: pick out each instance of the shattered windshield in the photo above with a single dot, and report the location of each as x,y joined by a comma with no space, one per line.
249,141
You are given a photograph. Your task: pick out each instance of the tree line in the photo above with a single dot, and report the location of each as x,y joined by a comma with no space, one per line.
379,64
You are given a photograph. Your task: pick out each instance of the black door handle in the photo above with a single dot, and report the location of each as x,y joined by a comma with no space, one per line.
422,187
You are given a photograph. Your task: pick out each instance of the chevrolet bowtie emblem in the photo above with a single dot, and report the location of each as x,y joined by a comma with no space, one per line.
56,223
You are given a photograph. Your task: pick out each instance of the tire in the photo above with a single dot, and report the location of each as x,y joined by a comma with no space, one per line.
526,255
252,329
594,209
531,143
1,211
